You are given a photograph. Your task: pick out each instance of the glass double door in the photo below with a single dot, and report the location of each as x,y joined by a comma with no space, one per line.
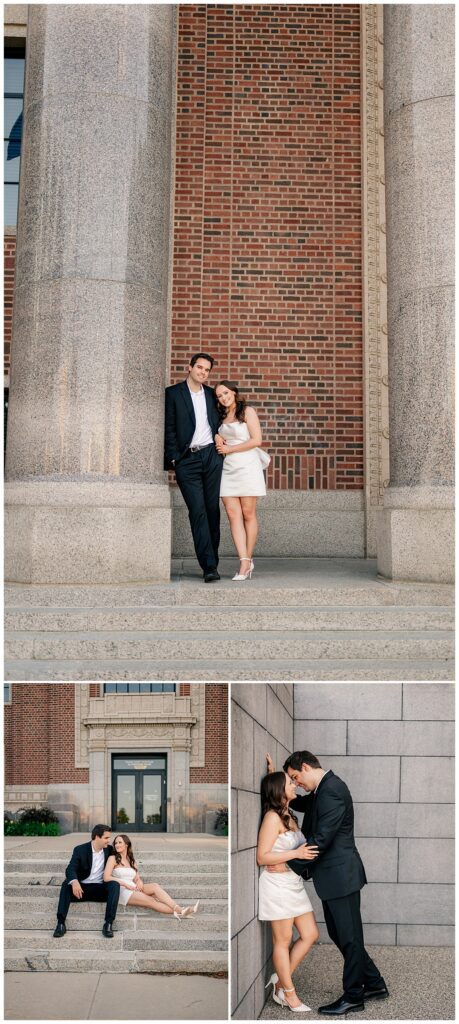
139,793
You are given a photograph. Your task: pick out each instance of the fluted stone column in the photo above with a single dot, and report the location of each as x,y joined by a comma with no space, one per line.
87,499
416,527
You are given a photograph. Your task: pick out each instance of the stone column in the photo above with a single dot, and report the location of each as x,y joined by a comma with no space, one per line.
415,539
87,499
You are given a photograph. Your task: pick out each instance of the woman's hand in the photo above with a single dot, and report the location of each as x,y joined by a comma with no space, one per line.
269,764
220,444
306,852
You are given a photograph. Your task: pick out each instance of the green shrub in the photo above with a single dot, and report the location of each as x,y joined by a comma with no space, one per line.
31,828
221,821
41,815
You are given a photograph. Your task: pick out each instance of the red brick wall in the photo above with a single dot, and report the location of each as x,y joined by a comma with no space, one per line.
267,253
9,259
40,735
40,726
216,766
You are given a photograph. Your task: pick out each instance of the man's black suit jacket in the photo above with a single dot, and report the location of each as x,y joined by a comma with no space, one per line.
328,823
81,862
180,422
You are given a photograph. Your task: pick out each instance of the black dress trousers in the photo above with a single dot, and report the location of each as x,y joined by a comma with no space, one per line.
198,475
344,926
94,892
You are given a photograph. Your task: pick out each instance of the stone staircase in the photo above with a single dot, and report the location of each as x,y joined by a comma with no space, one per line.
144,941
296,619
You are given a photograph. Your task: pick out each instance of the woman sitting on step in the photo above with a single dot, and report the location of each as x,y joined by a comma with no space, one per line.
122,868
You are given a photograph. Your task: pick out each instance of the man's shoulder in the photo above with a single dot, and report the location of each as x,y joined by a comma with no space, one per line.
174,388
334,784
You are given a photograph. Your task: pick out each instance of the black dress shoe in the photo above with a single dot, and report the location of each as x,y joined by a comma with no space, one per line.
341,1006
107,930
376,993
211,576
59,930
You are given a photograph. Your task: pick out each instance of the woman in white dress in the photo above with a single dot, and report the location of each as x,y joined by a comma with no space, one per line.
239,440
282,898
122,868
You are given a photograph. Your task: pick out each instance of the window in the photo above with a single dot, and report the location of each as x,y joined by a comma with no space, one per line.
139,687
7,693
14,99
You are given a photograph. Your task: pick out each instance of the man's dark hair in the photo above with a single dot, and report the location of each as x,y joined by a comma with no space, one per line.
99,830
300,757
202,355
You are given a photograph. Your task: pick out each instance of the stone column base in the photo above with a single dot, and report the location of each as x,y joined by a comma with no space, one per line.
416,534
87,532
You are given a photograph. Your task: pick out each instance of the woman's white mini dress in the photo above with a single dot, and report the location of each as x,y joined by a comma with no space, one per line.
127,875
282,895
242,475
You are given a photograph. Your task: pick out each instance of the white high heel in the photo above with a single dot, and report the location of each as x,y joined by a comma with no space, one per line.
272,981
244,575
189,911
302,1008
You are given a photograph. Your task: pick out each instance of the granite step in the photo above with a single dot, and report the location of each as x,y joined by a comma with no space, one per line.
155,868
125,938
227,669
119,961
48,887
19,918
279,589
190,619
147,857
240,645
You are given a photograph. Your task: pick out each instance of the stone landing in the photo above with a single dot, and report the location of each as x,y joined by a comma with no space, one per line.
310,618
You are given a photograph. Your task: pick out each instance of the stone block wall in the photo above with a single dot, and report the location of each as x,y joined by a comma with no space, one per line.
261,721
393,744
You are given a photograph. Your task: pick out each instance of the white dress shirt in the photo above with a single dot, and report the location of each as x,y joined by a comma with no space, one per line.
203,432
97,870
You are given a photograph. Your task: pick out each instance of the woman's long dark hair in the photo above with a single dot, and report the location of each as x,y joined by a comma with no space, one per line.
273,798
240,402
129,851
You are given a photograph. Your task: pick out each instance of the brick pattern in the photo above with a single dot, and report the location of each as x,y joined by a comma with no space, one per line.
267,252
9,261
39,735
216,766
40,728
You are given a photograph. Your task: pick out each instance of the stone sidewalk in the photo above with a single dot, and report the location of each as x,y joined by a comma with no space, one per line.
420,980
112,997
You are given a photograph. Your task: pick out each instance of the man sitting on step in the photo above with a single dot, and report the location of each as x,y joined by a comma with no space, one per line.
85,880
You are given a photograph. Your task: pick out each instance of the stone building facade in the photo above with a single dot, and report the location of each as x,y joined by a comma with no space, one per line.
256,180
393,743
125,754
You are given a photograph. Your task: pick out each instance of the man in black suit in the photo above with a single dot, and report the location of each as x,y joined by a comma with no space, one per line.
85,880
338,875
189,449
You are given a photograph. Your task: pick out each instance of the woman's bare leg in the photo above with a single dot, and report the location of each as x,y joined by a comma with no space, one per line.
153,889
309,933
282,937
236,520
141,899
249,513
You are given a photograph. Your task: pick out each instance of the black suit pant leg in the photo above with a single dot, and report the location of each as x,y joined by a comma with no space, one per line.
199,476
344,926
93,892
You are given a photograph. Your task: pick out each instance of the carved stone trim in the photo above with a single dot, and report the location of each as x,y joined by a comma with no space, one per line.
376,399
81,732
198,731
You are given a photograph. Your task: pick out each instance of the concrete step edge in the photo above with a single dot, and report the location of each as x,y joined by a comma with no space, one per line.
228,669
